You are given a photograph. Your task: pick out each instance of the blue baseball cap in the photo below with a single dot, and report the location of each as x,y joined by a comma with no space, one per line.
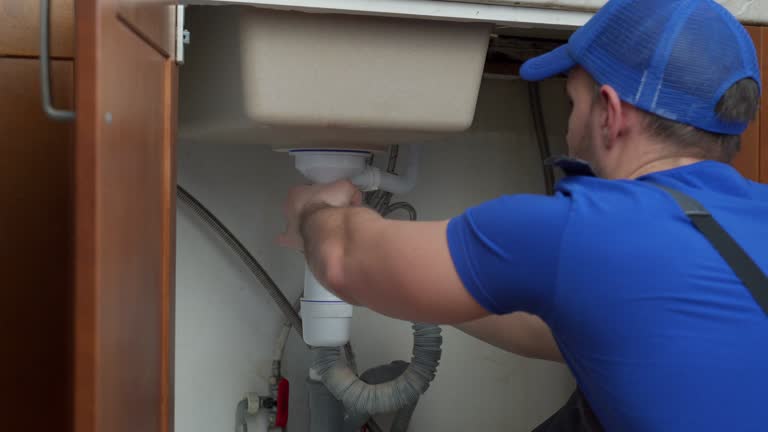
673,58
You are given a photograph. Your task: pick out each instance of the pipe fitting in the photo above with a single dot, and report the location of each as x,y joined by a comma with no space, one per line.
327,319
369,180
360,398
328,166
373,178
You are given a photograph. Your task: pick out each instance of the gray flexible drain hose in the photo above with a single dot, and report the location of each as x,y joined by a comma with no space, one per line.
378,375
359,397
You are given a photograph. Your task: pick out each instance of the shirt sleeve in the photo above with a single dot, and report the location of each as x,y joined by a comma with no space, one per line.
506,251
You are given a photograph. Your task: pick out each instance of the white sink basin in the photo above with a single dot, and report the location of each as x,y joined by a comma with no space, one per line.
293,79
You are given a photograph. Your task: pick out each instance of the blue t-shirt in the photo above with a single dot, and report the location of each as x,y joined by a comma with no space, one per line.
658,331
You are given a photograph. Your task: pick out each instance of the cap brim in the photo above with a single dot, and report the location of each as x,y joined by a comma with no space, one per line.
548,65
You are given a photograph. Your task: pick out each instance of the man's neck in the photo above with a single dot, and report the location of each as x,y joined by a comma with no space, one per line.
662,165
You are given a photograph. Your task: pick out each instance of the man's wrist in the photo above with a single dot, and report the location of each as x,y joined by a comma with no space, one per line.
309,211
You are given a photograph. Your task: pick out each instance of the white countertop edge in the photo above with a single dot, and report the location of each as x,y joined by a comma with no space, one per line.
506,15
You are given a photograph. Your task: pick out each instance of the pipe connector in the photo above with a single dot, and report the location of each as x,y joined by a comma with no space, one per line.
373,178
327,319
361,398
369,180
326,166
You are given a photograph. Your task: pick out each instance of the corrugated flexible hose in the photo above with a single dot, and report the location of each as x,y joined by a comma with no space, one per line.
359,397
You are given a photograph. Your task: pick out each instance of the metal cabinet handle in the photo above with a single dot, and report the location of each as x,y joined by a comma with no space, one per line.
45,67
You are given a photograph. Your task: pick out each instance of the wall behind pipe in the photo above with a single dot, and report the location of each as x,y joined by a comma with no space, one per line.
226,325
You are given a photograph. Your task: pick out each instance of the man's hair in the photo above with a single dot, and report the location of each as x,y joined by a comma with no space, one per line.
740,103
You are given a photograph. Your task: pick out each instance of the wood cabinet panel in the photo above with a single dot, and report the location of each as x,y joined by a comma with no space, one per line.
748,159
20,28
125,197
763,147
36,256
153,19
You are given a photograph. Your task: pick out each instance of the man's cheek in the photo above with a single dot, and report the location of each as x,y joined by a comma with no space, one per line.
569,136
573,139
571,149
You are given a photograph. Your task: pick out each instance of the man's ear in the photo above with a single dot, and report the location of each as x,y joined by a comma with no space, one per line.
614,119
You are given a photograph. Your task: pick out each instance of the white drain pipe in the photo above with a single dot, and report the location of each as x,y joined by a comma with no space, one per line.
327,318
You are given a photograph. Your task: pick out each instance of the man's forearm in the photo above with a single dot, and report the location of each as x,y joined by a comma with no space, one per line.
519,333
396,268
328,233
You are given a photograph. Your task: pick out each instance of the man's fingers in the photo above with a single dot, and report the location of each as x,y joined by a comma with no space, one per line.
357,198
339,194
290,241
295,200
283,240
343,194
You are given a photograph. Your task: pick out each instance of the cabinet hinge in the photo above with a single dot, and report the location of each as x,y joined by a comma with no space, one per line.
182,34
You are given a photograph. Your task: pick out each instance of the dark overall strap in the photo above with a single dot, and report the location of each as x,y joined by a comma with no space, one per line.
745,268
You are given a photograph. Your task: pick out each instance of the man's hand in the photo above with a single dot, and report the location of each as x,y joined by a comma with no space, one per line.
396,268
304,200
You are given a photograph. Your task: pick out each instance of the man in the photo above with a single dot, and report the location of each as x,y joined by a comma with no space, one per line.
659,331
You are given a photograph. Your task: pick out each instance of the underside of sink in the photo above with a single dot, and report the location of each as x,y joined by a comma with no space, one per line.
292,79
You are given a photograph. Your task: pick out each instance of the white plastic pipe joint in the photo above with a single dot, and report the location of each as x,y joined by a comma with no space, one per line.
373,178
327,319
328,166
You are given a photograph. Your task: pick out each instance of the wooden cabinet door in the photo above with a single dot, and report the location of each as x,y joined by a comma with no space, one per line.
20,28
748,159
762,51
36,254
150,18
124,222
